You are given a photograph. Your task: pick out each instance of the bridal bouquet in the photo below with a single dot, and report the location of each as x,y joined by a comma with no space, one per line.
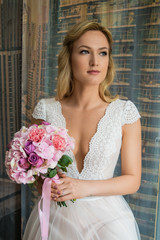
39,151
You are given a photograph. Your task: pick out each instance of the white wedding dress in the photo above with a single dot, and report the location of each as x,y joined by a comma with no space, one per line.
92,218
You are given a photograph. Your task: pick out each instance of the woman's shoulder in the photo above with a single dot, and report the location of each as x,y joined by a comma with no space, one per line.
124,104
42,106
46,101
127,110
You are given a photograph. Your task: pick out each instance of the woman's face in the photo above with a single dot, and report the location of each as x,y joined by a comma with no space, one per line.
90,58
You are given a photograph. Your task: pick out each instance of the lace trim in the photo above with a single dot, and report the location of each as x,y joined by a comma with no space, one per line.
130,114
40,111
103,144
93,169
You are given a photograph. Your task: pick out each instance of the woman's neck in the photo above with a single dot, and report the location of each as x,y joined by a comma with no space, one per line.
85,98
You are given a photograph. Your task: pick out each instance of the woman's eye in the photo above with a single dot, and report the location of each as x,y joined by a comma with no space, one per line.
84,52
103,53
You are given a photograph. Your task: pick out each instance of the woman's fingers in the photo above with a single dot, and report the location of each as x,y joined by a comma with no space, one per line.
68,189
61,191
61,174
56,189
64,188
55,192
64,198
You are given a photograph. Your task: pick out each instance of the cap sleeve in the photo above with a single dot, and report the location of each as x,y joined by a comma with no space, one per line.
130,113
40,110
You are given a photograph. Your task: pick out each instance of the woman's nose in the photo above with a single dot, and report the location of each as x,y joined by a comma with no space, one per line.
93,60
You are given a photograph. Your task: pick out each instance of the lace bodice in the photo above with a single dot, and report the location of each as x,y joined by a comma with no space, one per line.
105,145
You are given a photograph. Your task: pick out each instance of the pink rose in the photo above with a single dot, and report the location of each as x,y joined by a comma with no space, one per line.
23,163
59,142
35,160
29,147
36,134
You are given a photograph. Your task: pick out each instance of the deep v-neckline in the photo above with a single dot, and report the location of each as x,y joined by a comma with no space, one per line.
91,140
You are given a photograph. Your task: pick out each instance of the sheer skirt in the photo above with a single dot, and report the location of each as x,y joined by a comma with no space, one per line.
98,218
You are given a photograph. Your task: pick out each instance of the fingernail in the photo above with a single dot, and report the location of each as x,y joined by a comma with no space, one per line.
59,192
55,187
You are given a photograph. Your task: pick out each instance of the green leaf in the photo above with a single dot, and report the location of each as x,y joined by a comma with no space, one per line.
52,173
64,169
61,167
65,161
59,204
64,204
58,165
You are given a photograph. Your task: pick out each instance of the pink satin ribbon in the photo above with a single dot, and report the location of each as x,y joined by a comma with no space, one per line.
44,214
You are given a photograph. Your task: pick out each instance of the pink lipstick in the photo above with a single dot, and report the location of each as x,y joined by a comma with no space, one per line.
93,72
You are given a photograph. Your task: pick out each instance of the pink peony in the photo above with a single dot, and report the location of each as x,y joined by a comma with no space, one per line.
16,154
45,150
57,155
16,143
23,133
50,129
36,134
23,177
10,172
59,142
13,155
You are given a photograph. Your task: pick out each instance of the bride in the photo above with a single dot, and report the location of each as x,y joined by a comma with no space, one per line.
103,127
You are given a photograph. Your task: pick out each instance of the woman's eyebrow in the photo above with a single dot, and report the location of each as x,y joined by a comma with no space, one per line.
90,47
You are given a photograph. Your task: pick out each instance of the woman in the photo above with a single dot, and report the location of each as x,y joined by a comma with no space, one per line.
101,126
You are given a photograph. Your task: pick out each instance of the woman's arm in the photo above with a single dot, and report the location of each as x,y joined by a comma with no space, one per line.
127,183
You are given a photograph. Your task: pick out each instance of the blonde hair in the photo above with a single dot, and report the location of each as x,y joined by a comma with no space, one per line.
64,79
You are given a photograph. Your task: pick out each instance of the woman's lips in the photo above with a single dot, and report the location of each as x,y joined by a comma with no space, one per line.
93,72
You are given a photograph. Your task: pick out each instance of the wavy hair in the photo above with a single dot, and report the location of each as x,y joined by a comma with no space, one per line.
65,84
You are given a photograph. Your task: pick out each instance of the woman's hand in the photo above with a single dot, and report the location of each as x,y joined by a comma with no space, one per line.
67,189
